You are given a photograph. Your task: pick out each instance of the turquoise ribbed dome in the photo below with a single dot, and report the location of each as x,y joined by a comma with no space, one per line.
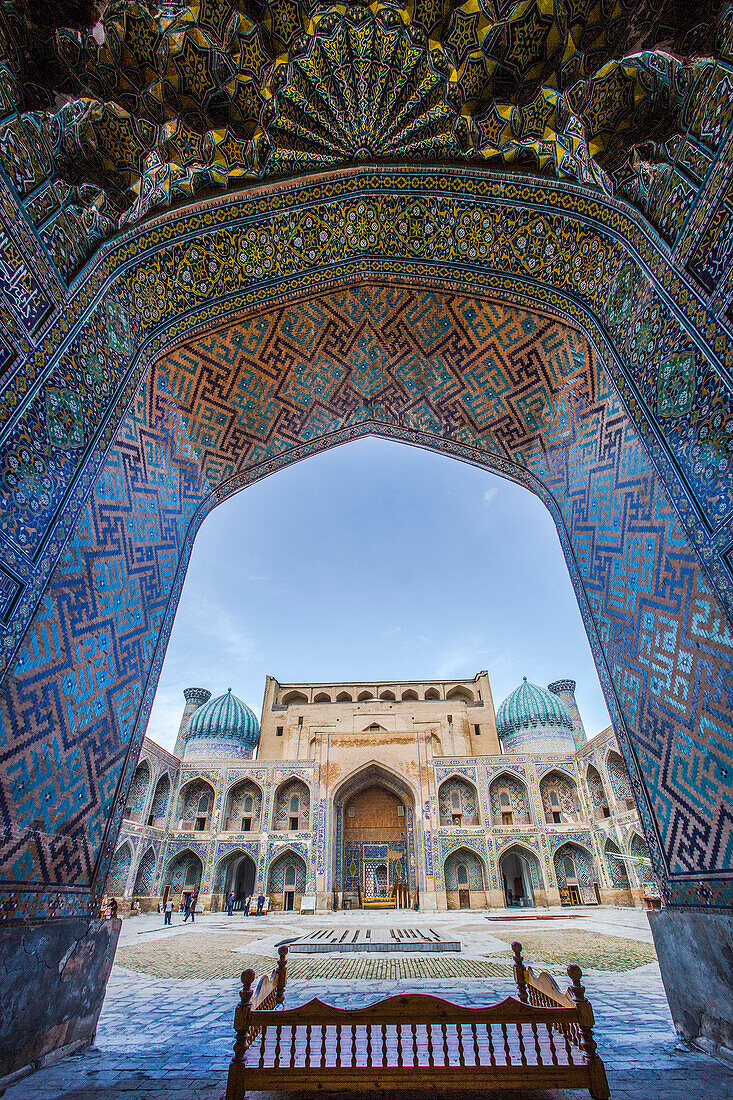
531,707
225,719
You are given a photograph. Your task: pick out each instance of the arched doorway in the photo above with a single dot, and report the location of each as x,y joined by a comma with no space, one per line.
286,881
509,800
520,875
236,874
375,866
183,876
577,877
145,877
465,880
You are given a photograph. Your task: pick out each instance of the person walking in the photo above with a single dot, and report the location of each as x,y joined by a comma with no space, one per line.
186,907
192,910
230,903
168,910
246,906
260,903
113,908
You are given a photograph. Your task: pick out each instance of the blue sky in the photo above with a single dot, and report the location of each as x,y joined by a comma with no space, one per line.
376,561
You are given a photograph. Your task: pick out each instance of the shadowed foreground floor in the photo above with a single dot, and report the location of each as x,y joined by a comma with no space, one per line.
171,1038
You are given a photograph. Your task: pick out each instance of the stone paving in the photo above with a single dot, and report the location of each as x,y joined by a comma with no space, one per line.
171,1038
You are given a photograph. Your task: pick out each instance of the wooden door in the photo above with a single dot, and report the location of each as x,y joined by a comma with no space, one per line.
464,899
288,900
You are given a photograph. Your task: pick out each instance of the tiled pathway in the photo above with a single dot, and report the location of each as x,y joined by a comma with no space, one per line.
170,1039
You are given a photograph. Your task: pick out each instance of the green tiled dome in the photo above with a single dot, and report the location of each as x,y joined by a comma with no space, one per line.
224,721
530,707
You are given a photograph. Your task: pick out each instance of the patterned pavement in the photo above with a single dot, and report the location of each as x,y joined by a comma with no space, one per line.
171,1039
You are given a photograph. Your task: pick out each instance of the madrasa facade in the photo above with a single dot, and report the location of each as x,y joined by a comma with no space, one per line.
387,795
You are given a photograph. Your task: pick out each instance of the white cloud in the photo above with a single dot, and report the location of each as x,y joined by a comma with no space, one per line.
489,495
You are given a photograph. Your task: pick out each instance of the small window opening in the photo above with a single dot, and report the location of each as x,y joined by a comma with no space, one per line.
199,824
279,731
290,876
352,811
477,730
294,823
462,874
400,811
246,824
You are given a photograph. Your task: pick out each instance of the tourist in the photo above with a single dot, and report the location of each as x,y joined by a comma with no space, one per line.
135,907
230,903
168,911
113,908
246,906
260,903
186,907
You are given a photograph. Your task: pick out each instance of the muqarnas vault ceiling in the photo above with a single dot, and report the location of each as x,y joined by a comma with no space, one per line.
127,107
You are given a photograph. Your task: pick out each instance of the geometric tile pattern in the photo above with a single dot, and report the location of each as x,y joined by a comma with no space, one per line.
456,796
585,871
619,776
463,869
289,869
575,418
292,800
145,877
615,866
566,796
518,799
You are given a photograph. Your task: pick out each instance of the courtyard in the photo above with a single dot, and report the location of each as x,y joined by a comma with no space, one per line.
165,1032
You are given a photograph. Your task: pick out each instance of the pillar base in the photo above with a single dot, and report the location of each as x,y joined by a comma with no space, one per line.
695,952
54,977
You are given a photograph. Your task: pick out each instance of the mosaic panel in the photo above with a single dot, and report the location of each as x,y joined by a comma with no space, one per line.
455,796
288,869
119,871
184,870
161,797
196,800
138,793
473,872
244,799
615,866
145,878
619,776
639,849
596,790
292,799
566,796
585,868
517,794
657,696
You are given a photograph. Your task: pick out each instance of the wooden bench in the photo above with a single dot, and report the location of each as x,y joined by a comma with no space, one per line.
544,1039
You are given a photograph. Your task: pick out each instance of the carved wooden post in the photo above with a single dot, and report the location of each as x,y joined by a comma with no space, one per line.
242,1016
519,972
282,973
598,1086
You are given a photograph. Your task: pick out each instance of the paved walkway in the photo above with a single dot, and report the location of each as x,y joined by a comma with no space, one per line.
171,1038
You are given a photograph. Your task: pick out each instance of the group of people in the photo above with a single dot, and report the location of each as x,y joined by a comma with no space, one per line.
187,906
231,899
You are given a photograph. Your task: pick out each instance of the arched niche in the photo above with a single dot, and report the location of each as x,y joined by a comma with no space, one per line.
458,802
243,807
161,798
409,695
460,693
617,873
322,697
291,810
597,796
144,886
138,794
464,876
343,697
618,773
387,695
196,806
291,697
364,696
286,881
509,800
431,694
559,794
119,871
576,874
183,874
